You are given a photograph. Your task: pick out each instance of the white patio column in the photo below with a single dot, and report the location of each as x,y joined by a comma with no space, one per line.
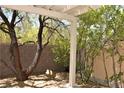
73,44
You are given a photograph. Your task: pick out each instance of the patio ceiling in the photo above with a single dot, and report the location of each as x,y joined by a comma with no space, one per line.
73,10
68,12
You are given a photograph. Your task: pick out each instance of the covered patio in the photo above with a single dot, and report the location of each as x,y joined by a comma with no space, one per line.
62,12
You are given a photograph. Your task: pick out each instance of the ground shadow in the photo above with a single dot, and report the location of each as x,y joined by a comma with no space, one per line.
33,82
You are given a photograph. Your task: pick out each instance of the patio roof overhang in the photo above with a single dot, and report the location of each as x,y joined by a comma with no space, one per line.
66,12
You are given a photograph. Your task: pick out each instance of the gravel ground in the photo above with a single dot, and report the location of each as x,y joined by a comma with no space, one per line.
42,81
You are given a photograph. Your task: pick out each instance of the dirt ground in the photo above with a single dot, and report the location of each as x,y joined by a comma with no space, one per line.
42,81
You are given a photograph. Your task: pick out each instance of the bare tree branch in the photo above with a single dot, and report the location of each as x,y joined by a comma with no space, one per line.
47,40
45,18
3,29
56,20
4,17
51,29
59,23
54,29
20,19
15,13
27,42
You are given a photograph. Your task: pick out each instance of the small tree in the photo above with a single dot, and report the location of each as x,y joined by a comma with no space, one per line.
9,28
61,52
96,29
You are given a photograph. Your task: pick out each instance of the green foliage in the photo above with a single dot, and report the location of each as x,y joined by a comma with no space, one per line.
121,59
89,38
96,29
30,35
4,38
116,77
61,51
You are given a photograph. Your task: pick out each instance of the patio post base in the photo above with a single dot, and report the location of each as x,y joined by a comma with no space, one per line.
74,86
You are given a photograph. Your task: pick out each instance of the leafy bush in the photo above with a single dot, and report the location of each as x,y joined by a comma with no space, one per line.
61,51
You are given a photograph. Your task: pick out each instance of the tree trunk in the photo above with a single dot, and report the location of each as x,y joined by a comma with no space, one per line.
35,61
120,65
14,49
30,69
107,78
16,56
114,70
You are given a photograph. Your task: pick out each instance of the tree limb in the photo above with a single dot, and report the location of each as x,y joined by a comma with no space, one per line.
20,19
40,32
4,17
56,20
45,19
36,59
27,42
54,29
3,29
15,13
47,40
